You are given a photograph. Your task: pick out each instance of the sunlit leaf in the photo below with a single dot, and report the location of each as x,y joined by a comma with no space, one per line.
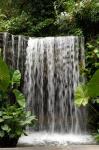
81,96
1,120
16,77
5,127
19,97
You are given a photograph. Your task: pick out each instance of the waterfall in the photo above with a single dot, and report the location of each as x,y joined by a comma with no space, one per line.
50,66
51,76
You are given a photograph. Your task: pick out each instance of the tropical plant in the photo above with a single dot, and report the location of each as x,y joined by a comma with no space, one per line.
13,122
92,57
9,83
88,92
13,116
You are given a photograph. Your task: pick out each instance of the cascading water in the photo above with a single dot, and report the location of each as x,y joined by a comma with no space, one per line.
51,76
50,67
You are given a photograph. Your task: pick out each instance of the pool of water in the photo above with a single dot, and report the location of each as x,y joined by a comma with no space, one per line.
44,138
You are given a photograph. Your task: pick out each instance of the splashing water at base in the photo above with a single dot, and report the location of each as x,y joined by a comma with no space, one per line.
44,138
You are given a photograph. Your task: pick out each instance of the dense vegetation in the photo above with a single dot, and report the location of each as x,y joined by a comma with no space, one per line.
57,17
53,18
28,17
13,117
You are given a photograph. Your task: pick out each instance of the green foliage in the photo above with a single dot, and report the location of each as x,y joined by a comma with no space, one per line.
96,136
42,26
82,14
4,75
9,84
32,18
93,85
36,17
19,97
88,10
13,121
16,77
13,117
92,57
16,24
81,95
89,94
89,91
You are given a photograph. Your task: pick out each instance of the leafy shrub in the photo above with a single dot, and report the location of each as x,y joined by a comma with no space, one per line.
13,121
13,116
92,57
83,15
16,25
88,94
89,91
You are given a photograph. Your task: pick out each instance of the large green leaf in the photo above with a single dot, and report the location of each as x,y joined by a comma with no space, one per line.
28,120
93,85
81,95
4,75
16,77
19,97
1,120
5,127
